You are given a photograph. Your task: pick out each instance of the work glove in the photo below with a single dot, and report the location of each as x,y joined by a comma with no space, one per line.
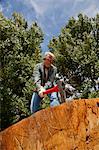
41,90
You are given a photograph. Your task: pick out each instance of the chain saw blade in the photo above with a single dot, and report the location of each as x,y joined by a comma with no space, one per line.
61,87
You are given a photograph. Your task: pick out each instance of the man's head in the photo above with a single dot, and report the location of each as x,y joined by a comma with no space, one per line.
48,59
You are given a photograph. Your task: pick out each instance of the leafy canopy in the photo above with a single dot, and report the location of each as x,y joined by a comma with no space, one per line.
20,50
77,52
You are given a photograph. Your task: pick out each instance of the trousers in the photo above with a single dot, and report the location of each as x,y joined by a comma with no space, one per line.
36,100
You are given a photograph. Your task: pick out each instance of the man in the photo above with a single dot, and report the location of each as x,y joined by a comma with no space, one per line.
44,77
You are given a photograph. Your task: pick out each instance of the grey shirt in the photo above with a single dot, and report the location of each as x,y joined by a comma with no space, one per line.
39,75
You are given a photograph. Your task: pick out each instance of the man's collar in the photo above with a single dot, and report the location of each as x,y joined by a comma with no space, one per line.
46,67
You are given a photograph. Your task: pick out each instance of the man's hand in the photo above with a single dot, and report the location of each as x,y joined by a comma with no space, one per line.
41,92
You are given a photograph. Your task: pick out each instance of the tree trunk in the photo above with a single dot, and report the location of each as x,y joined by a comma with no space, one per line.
73,125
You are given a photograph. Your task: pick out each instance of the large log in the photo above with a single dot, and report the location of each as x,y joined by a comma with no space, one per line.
71,126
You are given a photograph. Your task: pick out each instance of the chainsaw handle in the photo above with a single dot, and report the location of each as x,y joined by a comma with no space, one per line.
51,90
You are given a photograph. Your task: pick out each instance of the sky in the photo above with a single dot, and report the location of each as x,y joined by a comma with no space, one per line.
51,15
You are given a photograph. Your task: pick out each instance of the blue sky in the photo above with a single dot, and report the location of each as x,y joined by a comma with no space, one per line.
50,15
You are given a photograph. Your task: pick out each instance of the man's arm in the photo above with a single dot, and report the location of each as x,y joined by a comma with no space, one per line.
37,76
37,80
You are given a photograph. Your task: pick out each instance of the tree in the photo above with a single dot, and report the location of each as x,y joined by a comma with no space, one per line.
19,44
77,53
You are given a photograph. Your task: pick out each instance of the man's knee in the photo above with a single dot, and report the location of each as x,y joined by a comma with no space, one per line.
35,103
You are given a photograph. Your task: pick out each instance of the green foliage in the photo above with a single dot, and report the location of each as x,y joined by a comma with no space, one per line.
45,102
94,94
77,52
20,50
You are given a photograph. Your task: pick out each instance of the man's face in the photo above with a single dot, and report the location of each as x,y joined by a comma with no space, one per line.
48,61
